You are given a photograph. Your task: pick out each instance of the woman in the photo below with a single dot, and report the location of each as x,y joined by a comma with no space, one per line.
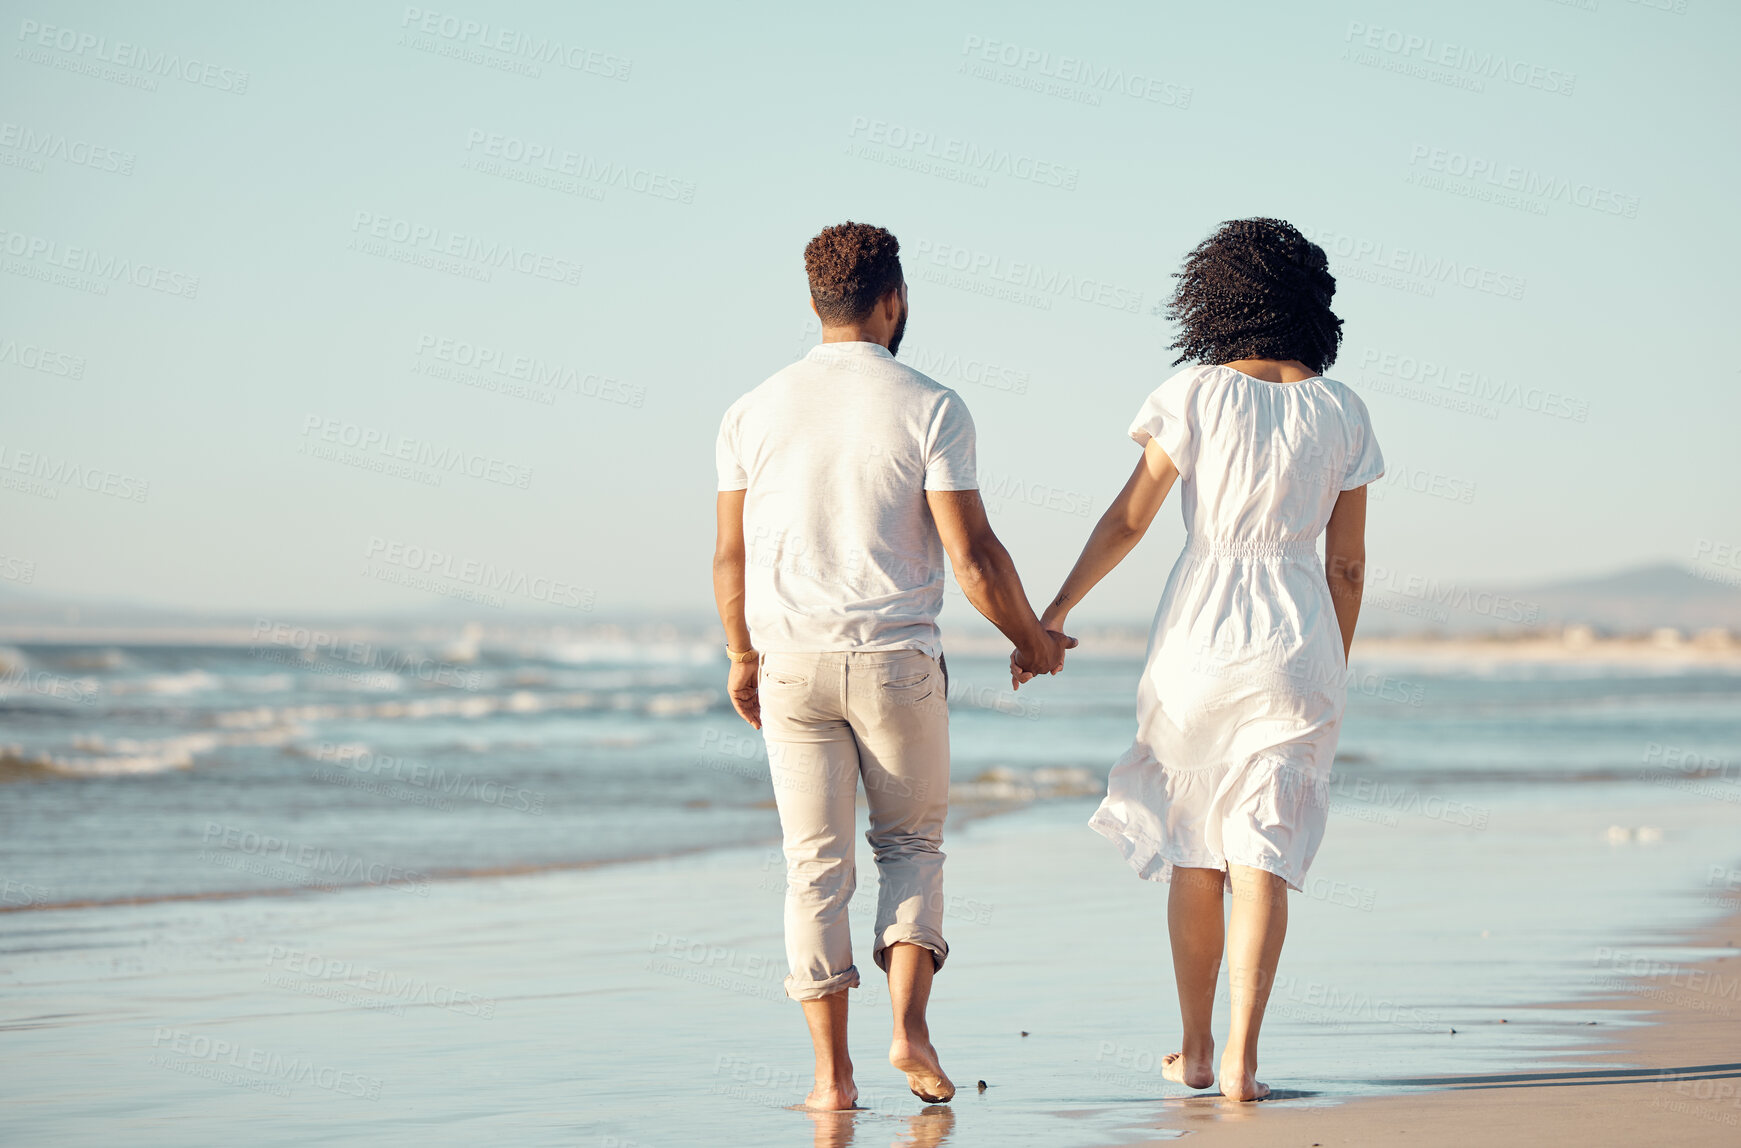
1241,700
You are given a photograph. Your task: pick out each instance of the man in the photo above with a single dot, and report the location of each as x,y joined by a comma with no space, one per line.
843,479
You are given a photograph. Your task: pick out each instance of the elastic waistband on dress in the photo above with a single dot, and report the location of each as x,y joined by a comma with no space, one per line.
1252,547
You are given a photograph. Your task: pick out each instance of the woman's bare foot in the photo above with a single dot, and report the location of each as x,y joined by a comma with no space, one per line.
1241,1083
832,1096
925,1076
1190,1068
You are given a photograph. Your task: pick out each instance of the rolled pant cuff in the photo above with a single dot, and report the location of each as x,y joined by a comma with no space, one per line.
907,934
807,990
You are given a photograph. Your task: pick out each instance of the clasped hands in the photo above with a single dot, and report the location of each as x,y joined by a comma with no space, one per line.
1028,664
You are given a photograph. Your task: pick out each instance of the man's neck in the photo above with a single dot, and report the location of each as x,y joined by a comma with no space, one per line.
853,335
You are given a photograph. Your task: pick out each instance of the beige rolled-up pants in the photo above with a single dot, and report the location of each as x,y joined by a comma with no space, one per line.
829,719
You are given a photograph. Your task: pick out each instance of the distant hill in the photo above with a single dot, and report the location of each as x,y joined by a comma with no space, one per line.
1627,602
1630,601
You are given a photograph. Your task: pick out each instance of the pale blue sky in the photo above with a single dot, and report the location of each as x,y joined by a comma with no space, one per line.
773,122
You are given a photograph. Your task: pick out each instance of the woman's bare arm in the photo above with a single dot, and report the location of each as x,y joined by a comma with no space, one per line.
1118,531
1345,560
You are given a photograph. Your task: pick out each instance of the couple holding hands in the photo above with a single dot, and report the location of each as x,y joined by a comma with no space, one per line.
846,478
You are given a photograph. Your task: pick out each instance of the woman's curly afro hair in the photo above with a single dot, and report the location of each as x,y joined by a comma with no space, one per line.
1256,289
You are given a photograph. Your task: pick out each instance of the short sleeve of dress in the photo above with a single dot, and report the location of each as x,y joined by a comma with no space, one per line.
1365,460
732,475
1166,417
951,455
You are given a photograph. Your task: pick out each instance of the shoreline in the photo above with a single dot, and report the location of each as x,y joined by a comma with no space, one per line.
411,992
1674,1078
1572,644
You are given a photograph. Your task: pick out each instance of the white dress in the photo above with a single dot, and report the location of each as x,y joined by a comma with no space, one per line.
1241,700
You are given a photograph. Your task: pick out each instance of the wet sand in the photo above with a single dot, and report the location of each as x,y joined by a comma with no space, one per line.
640,1005
1674,1080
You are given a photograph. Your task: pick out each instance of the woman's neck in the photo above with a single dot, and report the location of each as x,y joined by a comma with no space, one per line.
1274,370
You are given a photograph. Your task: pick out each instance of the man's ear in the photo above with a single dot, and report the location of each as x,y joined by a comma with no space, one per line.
813,309
892,303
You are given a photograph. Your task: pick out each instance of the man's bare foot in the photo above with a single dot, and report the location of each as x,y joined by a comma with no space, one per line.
832,1096
1190,1069
924,1072
1239,1082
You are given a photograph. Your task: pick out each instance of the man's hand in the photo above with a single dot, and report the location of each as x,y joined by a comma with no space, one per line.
741,684
1026,665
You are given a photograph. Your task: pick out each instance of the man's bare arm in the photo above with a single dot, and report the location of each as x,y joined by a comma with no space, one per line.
988,577
728,596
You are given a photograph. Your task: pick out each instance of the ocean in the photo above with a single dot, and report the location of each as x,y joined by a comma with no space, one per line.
134,772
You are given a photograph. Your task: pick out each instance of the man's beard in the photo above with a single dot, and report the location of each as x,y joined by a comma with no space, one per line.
900,329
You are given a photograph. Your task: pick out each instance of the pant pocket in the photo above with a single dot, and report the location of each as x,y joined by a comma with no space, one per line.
908,688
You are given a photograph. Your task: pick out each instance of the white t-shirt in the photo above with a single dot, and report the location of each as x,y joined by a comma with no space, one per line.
836,453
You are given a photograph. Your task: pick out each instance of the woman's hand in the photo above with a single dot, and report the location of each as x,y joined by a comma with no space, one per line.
1025,668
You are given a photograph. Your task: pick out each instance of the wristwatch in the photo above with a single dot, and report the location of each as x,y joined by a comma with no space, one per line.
737,657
